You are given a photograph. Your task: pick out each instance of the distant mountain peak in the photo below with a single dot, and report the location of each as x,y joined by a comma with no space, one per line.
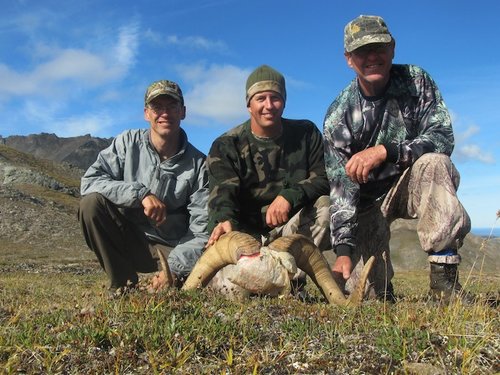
79,151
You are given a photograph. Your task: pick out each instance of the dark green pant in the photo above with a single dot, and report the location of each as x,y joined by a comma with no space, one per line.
121,248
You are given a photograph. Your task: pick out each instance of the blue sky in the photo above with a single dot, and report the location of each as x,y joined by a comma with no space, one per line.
73,68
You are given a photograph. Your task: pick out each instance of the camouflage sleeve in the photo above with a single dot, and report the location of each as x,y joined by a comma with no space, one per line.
434,132
307,190
224,186
344,193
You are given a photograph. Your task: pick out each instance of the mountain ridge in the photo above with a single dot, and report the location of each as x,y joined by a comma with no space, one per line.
80,151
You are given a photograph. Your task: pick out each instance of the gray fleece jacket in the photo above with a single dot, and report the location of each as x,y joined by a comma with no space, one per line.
130,168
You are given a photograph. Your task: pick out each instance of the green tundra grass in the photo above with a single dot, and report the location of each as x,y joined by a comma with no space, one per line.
59,320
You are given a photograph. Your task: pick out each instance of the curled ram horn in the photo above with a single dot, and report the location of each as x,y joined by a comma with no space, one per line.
169,279
310,259
226,250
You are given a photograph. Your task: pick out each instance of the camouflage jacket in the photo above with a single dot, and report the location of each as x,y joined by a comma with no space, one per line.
247,173
409,119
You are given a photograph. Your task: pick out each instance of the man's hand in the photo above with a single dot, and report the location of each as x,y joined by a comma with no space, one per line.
158,282
154,209
342,267
361,164
219,230
277,212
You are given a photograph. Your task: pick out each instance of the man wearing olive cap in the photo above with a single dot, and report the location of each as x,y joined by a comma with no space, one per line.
148,190
388,141
267,175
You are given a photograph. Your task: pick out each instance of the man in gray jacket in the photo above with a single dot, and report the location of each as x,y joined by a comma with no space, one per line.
147,190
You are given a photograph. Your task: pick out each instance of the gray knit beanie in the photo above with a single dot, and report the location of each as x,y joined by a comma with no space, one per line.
265,78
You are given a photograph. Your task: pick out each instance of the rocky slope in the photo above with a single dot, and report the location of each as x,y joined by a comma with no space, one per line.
38,223
39,200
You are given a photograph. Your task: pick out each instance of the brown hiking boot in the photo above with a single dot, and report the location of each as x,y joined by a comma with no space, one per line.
445,285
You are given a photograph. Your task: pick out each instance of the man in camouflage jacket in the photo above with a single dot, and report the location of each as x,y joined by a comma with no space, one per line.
388,138
267,176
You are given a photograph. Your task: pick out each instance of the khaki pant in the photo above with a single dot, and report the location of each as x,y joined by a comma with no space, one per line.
425,192
312,221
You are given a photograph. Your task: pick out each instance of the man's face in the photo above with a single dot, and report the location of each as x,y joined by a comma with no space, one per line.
372,64
266,108
164,114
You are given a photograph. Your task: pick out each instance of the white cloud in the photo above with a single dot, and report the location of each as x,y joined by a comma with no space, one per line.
126,47
467,133
216,95
197,42
46,115
466,148
193,42
78,65
53,75
28,23
95,124
61,79
39,112
14,83
473,152
64,69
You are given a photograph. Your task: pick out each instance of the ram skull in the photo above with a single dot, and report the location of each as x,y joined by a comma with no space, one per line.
234,246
